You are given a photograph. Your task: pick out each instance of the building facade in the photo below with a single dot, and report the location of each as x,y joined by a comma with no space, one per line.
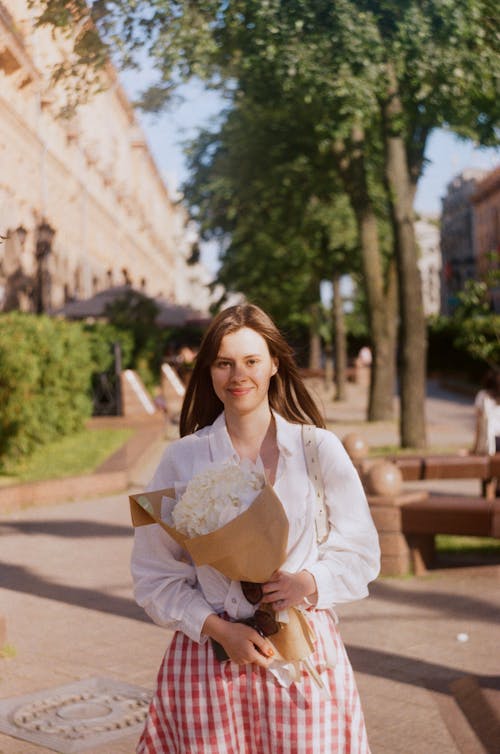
457,237
486,204
82,204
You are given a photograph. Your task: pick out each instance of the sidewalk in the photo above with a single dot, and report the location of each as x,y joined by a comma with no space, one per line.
425,650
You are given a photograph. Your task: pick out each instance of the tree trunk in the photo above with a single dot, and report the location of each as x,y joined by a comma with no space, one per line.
413,336
340,340
382,309
381,298
314,339
328,383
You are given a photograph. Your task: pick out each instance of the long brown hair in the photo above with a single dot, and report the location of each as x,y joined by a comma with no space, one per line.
288,395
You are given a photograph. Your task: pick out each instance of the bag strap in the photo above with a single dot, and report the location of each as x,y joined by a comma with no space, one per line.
314,473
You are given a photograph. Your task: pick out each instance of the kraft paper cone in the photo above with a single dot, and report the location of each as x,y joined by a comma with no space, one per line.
145,509
248,548
295,639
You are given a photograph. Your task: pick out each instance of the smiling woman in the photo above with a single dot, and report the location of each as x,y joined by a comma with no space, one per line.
246,404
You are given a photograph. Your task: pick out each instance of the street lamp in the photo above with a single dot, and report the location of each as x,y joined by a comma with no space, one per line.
43,248
21,234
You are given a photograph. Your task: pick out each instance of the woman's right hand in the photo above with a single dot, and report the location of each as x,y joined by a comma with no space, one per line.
242,643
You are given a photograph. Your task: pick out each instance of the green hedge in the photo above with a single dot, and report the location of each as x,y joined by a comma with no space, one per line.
45,377
446,354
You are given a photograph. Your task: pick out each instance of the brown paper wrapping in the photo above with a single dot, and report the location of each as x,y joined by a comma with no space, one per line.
251,547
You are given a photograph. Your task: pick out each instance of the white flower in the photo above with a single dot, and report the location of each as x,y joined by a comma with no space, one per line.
215,497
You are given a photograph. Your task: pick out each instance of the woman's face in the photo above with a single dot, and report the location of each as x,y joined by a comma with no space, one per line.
242,371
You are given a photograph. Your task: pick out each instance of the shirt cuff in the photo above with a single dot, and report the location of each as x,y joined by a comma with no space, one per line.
235,604
323,579
193,625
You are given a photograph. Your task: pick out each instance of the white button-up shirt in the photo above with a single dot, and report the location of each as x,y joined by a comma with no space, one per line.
178,595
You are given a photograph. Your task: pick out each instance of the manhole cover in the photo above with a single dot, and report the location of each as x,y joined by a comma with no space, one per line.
78,716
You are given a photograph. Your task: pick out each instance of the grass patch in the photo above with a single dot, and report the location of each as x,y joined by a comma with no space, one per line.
74,455
395,450
7,652
447,543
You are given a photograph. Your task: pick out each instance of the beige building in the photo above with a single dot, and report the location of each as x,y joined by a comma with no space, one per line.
82,204
429,262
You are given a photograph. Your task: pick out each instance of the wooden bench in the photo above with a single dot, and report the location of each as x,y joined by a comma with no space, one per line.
409,520
486,469
446,514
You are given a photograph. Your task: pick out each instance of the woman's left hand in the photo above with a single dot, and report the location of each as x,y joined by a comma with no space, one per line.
286,589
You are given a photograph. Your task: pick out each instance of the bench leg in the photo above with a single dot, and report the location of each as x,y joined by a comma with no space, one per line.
489,488
423,551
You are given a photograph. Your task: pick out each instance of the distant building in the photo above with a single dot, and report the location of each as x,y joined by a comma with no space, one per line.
486,205
429,262
82,204
457,237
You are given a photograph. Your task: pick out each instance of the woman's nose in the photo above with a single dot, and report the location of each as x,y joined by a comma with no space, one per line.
239,371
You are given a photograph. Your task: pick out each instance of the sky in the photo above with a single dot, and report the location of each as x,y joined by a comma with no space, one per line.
447,155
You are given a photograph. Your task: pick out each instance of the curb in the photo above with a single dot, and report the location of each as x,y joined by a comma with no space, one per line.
115,475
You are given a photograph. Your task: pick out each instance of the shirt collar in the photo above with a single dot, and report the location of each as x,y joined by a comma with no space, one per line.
221,447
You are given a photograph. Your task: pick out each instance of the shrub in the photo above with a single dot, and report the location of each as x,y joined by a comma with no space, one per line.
45,373
447,353
101,336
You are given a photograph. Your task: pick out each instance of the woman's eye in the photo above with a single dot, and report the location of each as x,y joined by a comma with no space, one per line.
222,364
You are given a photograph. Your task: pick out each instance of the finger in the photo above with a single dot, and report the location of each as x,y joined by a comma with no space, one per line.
263,647
275,576
270,597
270,588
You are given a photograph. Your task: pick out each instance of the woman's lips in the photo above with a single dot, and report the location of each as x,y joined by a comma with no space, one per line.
239,390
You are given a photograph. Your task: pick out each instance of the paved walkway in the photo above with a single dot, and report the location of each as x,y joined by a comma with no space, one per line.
425,650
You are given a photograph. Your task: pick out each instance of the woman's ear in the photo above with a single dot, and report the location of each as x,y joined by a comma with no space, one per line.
275,367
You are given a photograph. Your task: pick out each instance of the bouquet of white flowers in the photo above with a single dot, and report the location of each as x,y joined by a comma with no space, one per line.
229,518
215,497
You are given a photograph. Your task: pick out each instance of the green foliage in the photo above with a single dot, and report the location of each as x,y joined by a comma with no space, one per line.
133,315
446,356
45,370
101,336
254,187
478,327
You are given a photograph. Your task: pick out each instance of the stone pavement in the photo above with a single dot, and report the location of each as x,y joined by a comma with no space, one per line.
425,650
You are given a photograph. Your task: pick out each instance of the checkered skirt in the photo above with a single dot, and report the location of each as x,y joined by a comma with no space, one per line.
202,706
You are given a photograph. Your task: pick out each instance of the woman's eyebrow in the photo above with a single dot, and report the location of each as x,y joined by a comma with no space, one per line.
246,356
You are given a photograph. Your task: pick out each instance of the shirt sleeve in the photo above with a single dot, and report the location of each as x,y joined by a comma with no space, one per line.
350,557
165,582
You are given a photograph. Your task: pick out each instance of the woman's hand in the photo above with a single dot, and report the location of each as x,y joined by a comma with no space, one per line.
286,589
242,643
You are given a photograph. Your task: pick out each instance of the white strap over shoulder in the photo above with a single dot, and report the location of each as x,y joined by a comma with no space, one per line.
314,473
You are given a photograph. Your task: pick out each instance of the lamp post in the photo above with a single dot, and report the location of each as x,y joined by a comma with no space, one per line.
45,234
21,234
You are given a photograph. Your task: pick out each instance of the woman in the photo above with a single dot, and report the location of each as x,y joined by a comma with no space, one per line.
487,404
245,400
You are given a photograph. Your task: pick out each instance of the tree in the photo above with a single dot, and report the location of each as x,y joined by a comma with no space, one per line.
374,78
253,186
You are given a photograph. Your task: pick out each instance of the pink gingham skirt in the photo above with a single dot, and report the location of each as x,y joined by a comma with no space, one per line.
202,706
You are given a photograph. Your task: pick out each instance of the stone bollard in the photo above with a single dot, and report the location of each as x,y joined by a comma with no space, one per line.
383,483
357,449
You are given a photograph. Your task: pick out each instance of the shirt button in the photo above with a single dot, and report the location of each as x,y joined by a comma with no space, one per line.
233,600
